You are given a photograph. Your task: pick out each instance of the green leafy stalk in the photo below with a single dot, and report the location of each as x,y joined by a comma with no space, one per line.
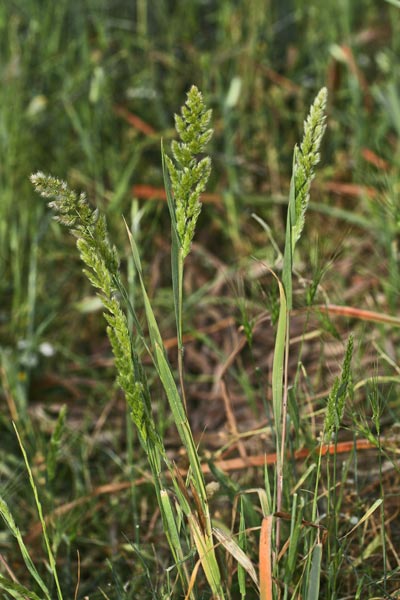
102,268
52,561
202,537
305,159
315,573
6,515
185,178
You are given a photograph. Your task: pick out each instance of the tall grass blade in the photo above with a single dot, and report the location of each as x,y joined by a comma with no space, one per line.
203,539
365,517
287,266
168,381
315,574
172,532
50,555
18,591
243,546
205,548
9,520
278,363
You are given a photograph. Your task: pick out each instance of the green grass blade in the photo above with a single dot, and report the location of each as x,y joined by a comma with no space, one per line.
166,376
181,420
50,554
365,517
315,574
18,591
278,363
9,520
203,539
172,532
205,548
241,574
394,2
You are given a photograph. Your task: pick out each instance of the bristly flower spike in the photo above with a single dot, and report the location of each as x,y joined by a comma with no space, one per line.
306,157
102,269
188,173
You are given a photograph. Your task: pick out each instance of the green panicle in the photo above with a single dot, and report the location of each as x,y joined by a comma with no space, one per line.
340,389
188,173
102,269
306,157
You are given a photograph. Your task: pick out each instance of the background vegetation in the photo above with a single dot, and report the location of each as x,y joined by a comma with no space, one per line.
87,91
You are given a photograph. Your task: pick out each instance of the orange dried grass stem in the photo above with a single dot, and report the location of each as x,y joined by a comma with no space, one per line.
265,557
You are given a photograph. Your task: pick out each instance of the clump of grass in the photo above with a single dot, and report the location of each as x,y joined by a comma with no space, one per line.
290,554
185,180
